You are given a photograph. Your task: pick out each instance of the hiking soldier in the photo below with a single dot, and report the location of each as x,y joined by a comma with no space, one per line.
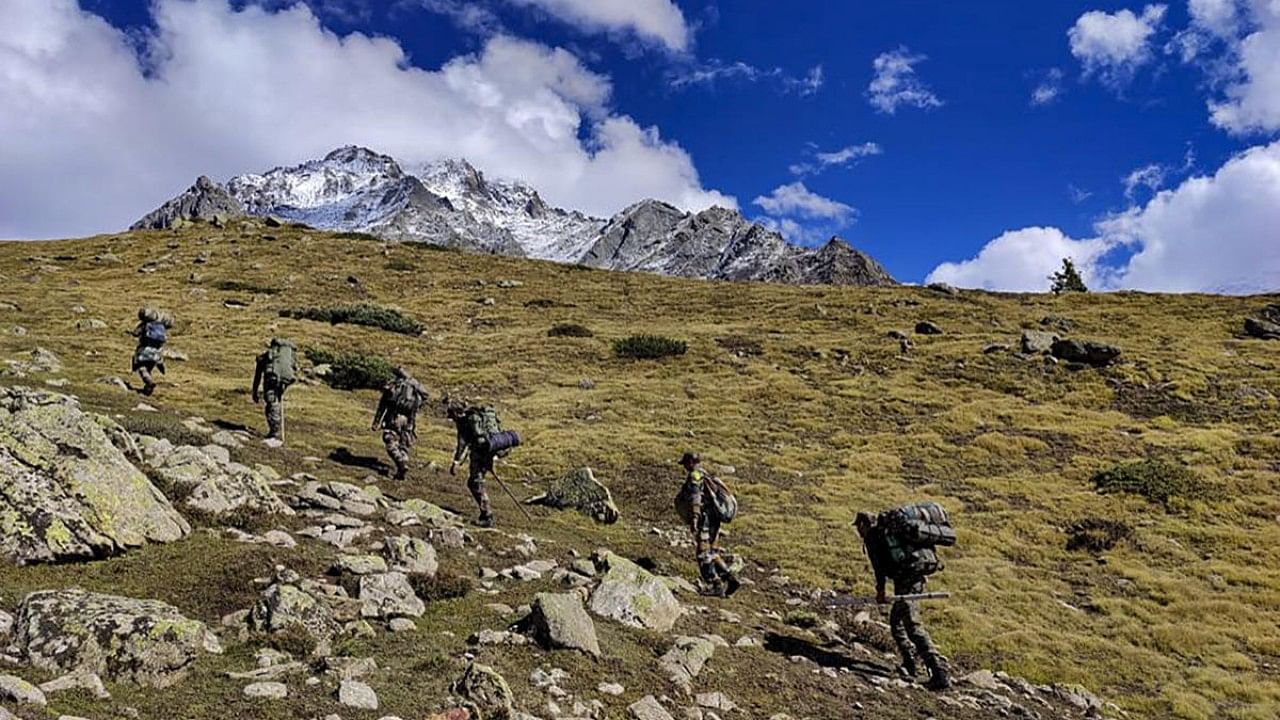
900,544
705,503
275,371
152,332
397,415
481,436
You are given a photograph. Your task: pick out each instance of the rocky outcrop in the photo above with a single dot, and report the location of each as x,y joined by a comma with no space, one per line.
486,692
389,595
560,621
206,200
685,660
579,489
1085,352
211,482
1265,325
67,492
145,642
633,596
836,263
410,555
294,603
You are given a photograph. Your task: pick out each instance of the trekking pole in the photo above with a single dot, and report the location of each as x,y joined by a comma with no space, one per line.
512,495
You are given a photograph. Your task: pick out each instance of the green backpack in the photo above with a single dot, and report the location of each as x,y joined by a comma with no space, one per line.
282,361
484,424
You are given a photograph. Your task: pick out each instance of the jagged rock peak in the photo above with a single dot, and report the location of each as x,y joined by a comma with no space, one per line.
205,200
839,263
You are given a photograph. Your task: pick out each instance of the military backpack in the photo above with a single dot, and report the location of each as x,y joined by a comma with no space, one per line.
912,534
282,362
484,424
405,398
155,333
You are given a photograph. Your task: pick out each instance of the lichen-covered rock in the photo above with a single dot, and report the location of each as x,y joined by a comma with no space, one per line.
428,514
388,595
410,555
146,642
580,490
216,485
648,708
16,690
633,596
67,492
560,621
294,602
1085,352
485,691
685,660
359,565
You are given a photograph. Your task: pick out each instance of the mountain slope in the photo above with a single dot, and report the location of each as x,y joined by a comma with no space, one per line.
451,204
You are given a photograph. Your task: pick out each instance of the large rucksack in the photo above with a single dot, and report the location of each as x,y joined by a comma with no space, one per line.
405,398
723,501
155,334
484,424
912,532
281,362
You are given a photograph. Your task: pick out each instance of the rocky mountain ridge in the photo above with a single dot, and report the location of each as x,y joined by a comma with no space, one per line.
452,204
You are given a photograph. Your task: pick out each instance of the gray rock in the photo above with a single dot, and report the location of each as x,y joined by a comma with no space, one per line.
145,642
486,690
1037,342
410,555
608,688
79,680
15,689
1085,352
580,490
280,539
686,659
560,621
90,325
926,327
715,701
1262,328
292,602
206,200
648,708
388,595
6,626
359,565
355,694
399,625
67,489
1079,698
633,596
215,484
267,691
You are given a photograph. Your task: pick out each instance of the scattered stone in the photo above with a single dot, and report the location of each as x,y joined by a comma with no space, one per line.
6,625
1080,698
993,348
487,691
686,659
215,484
79,680
1266,326
984,679
280,539
1037,342
359,565
90,325
410,555
15,689
292,602
267,691
1086,352
648,708
943,289
580,490
633,596
497,637
146,642
608,688
715,701
70,492
560,621
113,381
388,595
355,694
399,625
926,327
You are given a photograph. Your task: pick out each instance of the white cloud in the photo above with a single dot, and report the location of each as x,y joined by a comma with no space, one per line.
896,84
1252,102
712,71
1152,177
843,157
655,20
1048,89
228,91
1219,17
796,200
1112,46
1218,233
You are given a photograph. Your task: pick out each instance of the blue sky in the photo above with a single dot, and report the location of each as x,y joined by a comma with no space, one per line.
951,159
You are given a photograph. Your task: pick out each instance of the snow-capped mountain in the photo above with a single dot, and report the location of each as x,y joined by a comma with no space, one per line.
451,203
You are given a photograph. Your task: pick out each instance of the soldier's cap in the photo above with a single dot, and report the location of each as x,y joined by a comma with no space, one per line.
690,458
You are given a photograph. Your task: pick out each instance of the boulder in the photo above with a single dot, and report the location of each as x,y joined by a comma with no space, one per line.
16,690
580,490
388,595
214,483
78,680
648,708
928,328
486,691
1085,352
560,621
292,602
410,555
6,626
633,596
1037,342
359,565
355,694
267,691
1262,329
146,642
685,660
67,489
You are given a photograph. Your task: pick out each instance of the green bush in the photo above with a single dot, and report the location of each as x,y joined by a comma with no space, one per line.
570,330
293,639
648,347
803,619
443,585
1159,481
1096,534
365,314
352,370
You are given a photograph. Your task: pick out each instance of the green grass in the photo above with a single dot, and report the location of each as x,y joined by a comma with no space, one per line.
648,347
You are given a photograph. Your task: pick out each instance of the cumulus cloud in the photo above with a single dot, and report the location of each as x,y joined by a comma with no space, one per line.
659,21
1048,89
896,84
1251,101
106,136
1112,46
1218,233
843,157
796,200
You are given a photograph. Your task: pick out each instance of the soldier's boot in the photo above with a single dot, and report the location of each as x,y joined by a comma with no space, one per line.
939,678
711,584
731,582
148,385
908,670
402,470
481,497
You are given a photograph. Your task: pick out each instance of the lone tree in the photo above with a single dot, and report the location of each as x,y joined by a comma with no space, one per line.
1067,279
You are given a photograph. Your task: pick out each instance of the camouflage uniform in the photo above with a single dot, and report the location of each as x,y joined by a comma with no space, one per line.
147,358
698,510
272,395
399,425
904,617
481,464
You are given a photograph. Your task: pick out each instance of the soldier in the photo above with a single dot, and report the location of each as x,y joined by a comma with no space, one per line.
889,562
152,332
471,440
698,508
275,371
397,414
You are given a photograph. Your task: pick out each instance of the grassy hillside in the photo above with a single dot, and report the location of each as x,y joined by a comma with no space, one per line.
801,390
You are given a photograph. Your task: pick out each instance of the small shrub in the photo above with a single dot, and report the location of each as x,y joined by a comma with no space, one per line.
649,347
1159,481
365,314
293,639
352,370
803,619
246,287
1067,280
401,265
161,425
250,520
570,330
443,585
1096,534
741,346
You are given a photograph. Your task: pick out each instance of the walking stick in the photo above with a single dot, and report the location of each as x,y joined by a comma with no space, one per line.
512,495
